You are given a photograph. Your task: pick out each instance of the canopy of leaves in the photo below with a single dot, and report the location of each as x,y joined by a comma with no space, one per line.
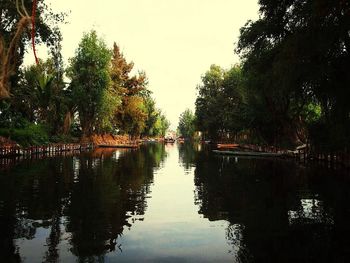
186,127
90,79
219,104
14,36
131,115
295,55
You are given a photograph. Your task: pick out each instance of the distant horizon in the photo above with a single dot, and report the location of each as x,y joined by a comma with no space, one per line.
174,43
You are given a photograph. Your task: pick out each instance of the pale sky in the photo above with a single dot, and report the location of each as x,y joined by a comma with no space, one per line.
174,42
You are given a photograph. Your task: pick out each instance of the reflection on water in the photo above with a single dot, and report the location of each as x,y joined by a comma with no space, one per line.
83,202
310,211
275,209
172,203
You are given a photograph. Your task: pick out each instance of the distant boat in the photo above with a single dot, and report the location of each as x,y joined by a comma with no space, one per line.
227,145
118,145
181,140
241,153
169,140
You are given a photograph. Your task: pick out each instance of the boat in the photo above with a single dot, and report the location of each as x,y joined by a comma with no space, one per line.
118,145
242,153
227,145
180,140
169,140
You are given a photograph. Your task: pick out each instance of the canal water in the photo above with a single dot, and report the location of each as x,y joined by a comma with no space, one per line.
172,203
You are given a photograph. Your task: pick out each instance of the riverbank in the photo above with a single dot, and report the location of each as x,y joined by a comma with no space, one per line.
302,153
16,150
9,148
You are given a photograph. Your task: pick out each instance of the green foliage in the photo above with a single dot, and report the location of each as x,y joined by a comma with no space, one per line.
63,138
156,123
106,113
134,116
186,127
90,79
220,102
312,113
30,134
9,117
101,98
293,81
39,97
209,101
296,55
152,117
46,32
131,115
42,92
162,124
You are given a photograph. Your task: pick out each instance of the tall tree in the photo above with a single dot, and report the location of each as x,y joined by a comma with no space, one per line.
90,80
152,117
163,123
186,126
209,101
131,115
297,53
156,123
219,104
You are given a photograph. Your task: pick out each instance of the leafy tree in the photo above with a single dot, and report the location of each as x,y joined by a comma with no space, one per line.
131,114
14,25
152,117
90,80
295,55
220,102
209,101
106,113
39,97
162,124
156,122
186,126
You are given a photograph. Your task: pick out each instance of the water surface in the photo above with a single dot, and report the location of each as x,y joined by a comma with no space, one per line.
172,203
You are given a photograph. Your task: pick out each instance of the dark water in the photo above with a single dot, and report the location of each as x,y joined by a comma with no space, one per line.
173,203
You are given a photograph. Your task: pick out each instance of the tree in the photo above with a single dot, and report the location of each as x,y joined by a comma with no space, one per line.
186,126
106,113
295,55
39,98
152,117
209,101
219,104
156,123
90,80
163,123
131,114
14,22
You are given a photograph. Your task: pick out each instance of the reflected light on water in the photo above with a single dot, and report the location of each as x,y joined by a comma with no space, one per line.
171,203
310,211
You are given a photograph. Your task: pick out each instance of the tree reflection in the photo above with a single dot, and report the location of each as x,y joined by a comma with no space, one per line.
187,154
91,197
270,207
113,189
32,197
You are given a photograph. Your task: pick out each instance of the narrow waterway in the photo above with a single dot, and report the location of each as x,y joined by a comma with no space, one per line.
172,203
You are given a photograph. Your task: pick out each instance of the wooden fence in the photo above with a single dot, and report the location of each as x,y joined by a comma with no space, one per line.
11,155
305,153
12,151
